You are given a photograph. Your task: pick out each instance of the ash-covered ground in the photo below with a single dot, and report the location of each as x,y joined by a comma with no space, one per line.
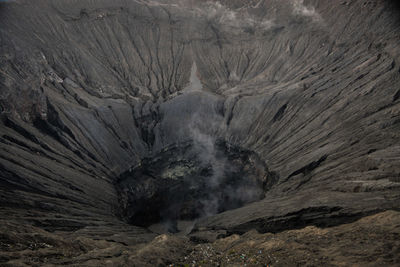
145,132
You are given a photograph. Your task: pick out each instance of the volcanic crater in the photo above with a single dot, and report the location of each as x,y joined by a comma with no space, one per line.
156,132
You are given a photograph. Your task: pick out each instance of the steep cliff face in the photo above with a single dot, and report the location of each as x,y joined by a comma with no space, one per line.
304,95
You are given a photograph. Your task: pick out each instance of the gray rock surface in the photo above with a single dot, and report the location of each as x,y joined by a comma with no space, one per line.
88,89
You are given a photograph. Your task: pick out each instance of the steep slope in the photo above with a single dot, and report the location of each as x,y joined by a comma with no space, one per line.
304,95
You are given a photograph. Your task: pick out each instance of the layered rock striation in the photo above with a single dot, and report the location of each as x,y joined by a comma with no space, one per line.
301,98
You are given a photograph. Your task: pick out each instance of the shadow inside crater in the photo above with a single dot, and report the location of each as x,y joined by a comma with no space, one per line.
183,183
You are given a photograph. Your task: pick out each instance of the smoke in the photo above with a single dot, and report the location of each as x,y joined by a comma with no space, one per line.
224,190
220,14
204,147
307,11
215,12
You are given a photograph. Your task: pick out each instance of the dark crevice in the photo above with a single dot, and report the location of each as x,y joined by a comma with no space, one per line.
323,216
54,119
12,125
396,96
308,168
11,181
278,116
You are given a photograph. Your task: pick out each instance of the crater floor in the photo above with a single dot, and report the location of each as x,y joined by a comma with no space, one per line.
190,182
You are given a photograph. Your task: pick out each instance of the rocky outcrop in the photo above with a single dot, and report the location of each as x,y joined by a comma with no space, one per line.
371,241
